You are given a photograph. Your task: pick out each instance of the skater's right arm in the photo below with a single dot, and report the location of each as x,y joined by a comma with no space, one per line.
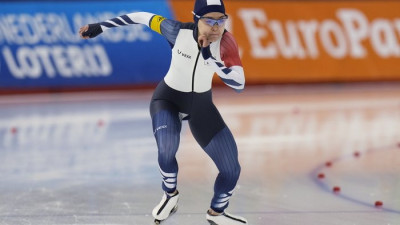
166,27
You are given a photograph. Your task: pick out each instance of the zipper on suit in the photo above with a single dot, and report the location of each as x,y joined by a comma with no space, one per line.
194,70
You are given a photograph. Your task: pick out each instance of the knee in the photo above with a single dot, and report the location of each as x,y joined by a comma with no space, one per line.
168,145
236,172
233,173
167,150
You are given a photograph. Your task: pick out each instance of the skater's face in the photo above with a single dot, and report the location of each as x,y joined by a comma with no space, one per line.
212,25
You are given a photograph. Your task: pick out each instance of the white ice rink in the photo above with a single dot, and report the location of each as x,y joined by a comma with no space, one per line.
90,158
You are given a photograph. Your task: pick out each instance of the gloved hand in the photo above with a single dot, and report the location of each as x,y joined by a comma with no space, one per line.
90,31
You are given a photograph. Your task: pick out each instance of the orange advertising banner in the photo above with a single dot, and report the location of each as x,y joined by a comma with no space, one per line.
313,41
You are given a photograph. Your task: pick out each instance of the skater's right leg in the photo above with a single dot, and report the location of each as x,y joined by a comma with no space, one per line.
166,128
167,206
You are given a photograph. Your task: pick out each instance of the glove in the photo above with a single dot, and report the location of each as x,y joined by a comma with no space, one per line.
206,52
93,30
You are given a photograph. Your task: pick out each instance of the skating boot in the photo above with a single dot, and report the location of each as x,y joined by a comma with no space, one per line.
225,219
167,206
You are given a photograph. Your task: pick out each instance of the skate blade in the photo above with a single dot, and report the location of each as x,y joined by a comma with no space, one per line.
173,210
212,222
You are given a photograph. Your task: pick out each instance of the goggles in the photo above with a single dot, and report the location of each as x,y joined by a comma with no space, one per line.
211,21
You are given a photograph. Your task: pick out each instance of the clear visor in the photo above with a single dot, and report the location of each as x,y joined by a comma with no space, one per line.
212,21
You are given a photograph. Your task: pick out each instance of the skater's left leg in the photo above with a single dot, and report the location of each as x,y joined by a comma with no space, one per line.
223,151
211,132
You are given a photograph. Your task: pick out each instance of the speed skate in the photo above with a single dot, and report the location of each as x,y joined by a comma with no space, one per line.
225,219
167,206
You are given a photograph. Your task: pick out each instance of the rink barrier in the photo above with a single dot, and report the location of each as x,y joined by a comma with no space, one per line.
280,42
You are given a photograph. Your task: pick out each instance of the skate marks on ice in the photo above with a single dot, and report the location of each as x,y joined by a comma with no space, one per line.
94,162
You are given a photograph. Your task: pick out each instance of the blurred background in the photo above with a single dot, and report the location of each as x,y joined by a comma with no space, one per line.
280,41
321,110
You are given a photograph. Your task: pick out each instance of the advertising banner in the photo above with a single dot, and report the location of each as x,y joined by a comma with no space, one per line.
280,41
40,46
313,41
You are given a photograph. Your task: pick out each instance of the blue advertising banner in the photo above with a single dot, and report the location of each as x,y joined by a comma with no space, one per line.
40,46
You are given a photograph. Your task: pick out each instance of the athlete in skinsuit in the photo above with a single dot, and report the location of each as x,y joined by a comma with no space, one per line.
199,50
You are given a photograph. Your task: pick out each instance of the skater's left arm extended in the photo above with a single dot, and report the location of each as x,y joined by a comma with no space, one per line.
231,71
